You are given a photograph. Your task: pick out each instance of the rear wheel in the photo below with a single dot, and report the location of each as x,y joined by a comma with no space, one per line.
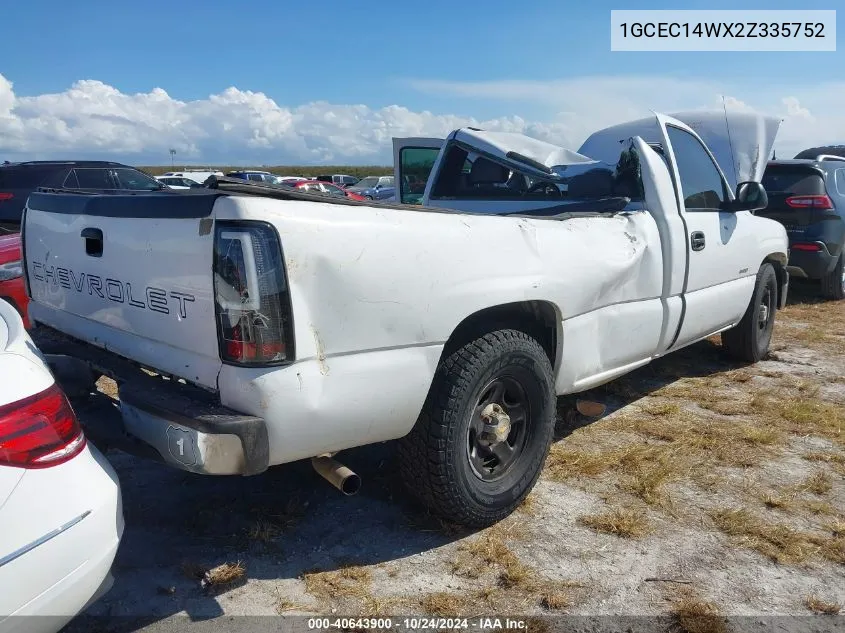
482,438
749,340
833,285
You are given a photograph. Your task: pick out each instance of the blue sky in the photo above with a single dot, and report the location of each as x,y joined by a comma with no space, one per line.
408,54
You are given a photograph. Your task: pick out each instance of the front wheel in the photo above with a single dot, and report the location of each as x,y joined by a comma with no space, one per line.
482,437
833,284
749,339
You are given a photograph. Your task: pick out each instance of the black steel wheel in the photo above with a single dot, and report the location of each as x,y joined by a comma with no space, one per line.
750,339
482,438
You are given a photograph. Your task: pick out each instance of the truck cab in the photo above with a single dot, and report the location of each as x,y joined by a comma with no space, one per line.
711,240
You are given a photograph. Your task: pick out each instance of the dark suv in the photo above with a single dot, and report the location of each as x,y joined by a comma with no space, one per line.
18,180
807,196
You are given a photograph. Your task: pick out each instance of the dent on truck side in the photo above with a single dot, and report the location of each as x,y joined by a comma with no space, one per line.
376,293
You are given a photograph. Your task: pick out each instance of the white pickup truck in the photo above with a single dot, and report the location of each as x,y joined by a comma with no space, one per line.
249,325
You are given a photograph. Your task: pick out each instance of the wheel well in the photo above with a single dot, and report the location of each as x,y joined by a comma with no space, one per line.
537,318
778,261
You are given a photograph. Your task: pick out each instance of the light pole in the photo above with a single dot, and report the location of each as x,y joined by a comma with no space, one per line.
172,155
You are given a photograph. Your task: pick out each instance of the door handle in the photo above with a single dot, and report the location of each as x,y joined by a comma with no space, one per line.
93,241
697,241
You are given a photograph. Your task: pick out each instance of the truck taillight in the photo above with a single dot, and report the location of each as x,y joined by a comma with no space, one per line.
39,431
251,294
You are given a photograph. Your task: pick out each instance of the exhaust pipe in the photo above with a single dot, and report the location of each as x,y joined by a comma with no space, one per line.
337,474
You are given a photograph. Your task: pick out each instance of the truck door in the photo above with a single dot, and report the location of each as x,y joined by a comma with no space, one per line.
413,159
721,269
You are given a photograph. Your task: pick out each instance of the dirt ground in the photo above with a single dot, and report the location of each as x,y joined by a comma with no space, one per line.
707,489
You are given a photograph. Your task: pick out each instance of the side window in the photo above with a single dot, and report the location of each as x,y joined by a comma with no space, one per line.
93,178
416,164
702,185
71,182
840,181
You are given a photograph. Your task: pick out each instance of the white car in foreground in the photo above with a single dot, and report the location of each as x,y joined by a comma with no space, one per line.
61,518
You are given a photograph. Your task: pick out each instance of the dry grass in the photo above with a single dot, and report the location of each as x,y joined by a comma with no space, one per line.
696,615
486,552
555,601
283,605
688,447
660,408
802,415
528,507
778,501
646,469
223,575
818,507
828,458
620,521
352,581
488,556
375,607
818,483
780,542
447,604
817,605
775,541
565,463
264,531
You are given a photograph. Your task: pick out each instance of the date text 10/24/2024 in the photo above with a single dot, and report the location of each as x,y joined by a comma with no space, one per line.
417,624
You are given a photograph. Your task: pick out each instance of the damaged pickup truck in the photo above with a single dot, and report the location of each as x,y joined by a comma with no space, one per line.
249,325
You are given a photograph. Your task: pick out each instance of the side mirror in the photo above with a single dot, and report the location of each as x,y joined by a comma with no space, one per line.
750,196
377,187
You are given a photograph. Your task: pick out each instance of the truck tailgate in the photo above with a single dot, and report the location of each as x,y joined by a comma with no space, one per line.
131,273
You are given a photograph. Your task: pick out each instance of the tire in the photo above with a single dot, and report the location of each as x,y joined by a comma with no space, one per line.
833,285
440,459
368,197
749,340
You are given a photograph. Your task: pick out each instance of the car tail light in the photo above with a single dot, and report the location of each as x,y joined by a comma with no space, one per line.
6,196
39,431
810,202
806,247
251,294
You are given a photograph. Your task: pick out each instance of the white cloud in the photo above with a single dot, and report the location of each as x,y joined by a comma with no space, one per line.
585,104
238,127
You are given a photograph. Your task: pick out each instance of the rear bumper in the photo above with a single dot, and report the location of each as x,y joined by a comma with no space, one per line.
811,264
157,418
